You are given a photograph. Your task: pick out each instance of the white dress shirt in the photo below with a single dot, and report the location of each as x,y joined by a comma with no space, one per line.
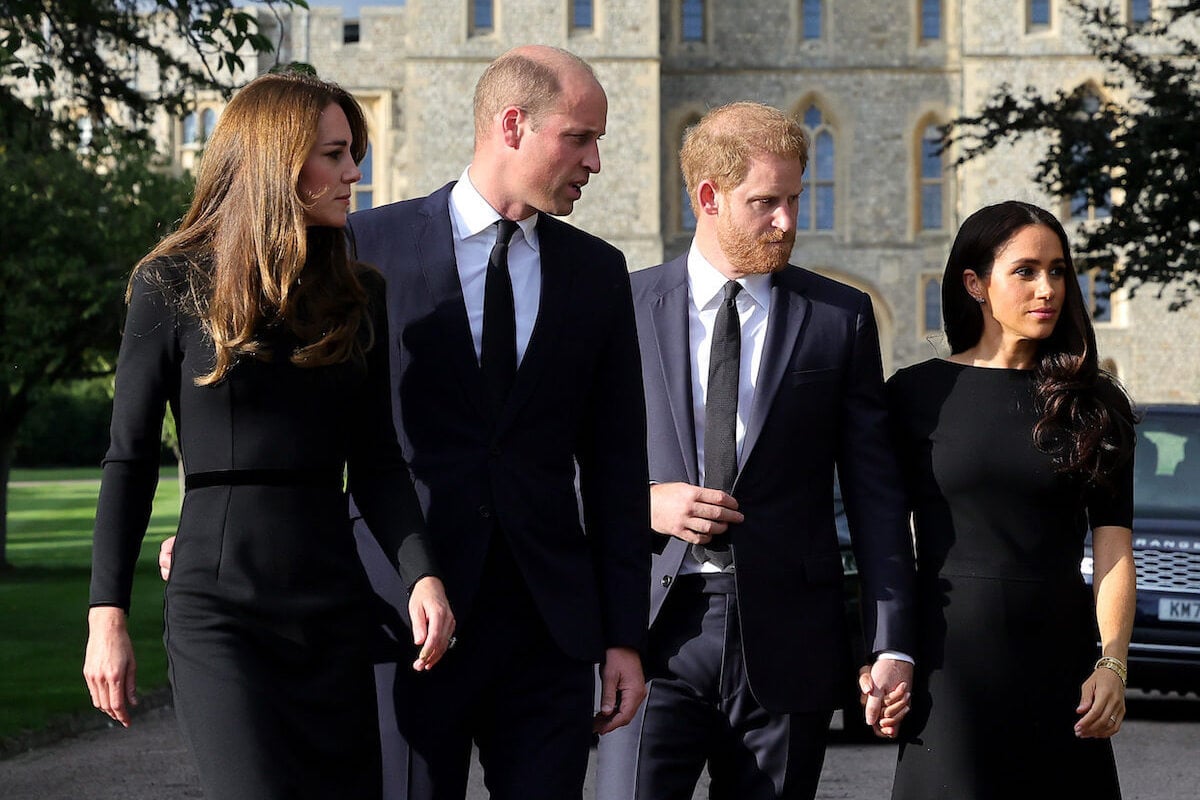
705,291
474,224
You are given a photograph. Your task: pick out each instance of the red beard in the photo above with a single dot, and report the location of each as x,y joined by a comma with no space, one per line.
755,255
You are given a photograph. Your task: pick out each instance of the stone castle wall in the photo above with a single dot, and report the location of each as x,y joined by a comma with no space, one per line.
877,84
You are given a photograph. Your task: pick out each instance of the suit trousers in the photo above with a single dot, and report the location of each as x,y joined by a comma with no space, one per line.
699,710
506,687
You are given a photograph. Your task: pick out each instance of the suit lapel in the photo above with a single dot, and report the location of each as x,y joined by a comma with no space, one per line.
670,315
434,238
789,307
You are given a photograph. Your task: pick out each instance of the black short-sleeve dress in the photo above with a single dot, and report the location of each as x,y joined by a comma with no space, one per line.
266,613
1007,626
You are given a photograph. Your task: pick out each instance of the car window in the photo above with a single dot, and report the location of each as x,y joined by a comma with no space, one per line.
1166,478
839,512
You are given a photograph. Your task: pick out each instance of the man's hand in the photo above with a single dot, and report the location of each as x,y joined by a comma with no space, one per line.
165,551
886,694
691,513
432,621
622,689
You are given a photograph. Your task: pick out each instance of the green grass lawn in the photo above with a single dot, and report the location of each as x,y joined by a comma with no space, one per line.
43,599
57,474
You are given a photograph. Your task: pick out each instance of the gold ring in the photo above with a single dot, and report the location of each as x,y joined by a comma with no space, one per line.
1113,719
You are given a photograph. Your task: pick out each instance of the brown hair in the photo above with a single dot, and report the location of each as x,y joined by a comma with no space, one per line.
520,78
719,147
1085,422
245,237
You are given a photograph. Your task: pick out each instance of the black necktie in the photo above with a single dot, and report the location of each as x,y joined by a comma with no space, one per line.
498,358
720,413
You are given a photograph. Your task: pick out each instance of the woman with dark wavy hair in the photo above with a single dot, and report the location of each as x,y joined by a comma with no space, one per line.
1014,447
270,345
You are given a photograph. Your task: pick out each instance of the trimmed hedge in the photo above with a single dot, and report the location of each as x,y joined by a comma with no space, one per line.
68,427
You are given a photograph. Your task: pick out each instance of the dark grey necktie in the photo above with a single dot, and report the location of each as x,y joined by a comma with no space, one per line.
720,414
498,356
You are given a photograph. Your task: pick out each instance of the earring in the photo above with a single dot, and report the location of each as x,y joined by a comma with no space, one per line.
979,300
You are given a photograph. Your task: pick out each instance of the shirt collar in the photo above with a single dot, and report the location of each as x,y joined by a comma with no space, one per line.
706,283
472,215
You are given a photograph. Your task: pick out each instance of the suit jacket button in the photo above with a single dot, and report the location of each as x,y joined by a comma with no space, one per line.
666,581
485,512
494,450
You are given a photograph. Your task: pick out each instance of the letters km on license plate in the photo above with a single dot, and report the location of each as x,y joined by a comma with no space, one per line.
1179,610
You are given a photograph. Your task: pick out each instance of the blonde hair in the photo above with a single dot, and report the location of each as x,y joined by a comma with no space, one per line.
525,77
719,147
245,236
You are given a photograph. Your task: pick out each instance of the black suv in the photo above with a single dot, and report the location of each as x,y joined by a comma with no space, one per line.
1165,650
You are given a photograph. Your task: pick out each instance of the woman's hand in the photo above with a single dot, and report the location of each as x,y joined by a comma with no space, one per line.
432,621
109,666
1102,704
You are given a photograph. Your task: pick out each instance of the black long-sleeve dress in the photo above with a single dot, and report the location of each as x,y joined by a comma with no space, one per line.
266,614
1007,628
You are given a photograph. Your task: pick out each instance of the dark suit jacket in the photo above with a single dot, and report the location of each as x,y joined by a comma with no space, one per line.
818,403
577,399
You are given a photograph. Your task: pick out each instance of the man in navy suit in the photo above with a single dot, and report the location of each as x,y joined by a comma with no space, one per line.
504,468
761,378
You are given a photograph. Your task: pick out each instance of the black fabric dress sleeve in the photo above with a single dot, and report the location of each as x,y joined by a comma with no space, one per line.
1111,503
147,376
378,476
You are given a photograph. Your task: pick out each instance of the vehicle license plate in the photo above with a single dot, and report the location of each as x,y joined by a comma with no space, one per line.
1179,610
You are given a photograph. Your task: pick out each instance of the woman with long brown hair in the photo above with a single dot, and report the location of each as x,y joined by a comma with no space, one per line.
1013,448
270,345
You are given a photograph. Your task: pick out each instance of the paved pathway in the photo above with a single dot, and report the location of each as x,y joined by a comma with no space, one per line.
148,762
1156,754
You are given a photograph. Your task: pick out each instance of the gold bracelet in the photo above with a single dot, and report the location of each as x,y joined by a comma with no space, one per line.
1108,662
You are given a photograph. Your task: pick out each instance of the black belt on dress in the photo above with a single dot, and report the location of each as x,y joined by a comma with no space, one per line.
315,478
